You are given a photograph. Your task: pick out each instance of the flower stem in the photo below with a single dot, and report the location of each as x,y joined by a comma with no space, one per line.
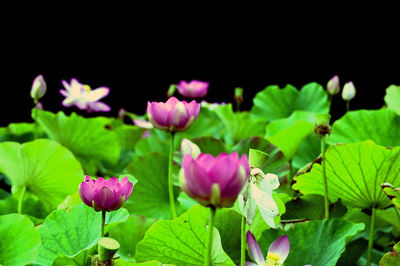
35,117
371,237
347,106
326,200
170,184
103,222
243,242
20,200
207,258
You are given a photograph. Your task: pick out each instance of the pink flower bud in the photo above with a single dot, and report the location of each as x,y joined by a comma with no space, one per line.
194,89
349,91
214,181
174,115
333,86
105,195
39,87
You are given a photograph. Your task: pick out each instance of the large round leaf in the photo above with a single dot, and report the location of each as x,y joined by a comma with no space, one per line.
381,126
274,103
45,168
19,240
354,173
181,241
318,243
150,196
72,233
392,98
87,138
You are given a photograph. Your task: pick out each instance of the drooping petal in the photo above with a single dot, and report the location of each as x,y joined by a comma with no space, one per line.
98,107
280,247
265,204
254,249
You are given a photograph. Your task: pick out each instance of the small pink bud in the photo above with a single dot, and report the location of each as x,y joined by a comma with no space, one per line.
349,91
188,147
39,87
333,86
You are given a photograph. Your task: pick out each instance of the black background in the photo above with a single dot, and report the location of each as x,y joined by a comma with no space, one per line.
138,49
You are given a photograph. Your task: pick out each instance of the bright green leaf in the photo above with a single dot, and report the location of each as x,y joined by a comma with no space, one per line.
391,258
45,168
19,240
150,196
181,241
354,173
392,98
315,242
381,126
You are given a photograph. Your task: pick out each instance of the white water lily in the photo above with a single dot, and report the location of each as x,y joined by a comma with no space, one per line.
258,194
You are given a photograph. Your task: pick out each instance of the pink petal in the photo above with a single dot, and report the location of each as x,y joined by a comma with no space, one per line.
104,198
97,94
206,161
86,193
98,107
178,116
112,183
171,102
280,247
158,113
197,180
223,170
254,249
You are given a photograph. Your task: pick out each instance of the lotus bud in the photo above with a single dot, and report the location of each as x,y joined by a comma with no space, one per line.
188,147
38,89
349,91
173,115
171,90
214,181
333,86
322,127
105,195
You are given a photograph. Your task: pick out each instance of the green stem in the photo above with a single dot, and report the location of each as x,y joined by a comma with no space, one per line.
21,199
103,222
237,106
243,242
35,116
207,259
326,200
330,98
347,106
371,237
290,171
170,184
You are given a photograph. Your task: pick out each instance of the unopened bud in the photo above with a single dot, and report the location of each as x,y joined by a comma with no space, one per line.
349,91
38,88
188,147
121,113
333,86
238,95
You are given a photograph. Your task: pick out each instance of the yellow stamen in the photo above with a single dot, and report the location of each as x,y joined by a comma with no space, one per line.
273,260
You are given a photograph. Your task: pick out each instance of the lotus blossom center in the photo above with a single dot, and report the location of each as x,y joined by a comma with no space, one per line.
273,260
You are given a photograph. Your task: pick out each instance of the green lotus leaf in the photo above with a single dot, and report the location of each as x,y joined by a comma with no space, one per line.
207,124
43,168
19,240
317,243
87,138
275,103
239,125
392,98
392,193
150,196
19,132
181,241
71,234
381,126
354,173
210,145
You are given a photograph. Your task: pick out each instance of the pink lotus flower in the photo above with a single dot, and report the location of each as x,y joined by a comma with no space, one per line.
214,181
83,97
277,251
194,89
105,195
174,115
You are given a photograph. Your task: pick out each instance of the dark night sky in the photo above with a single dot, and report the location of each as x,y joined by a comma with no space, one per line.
139,50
